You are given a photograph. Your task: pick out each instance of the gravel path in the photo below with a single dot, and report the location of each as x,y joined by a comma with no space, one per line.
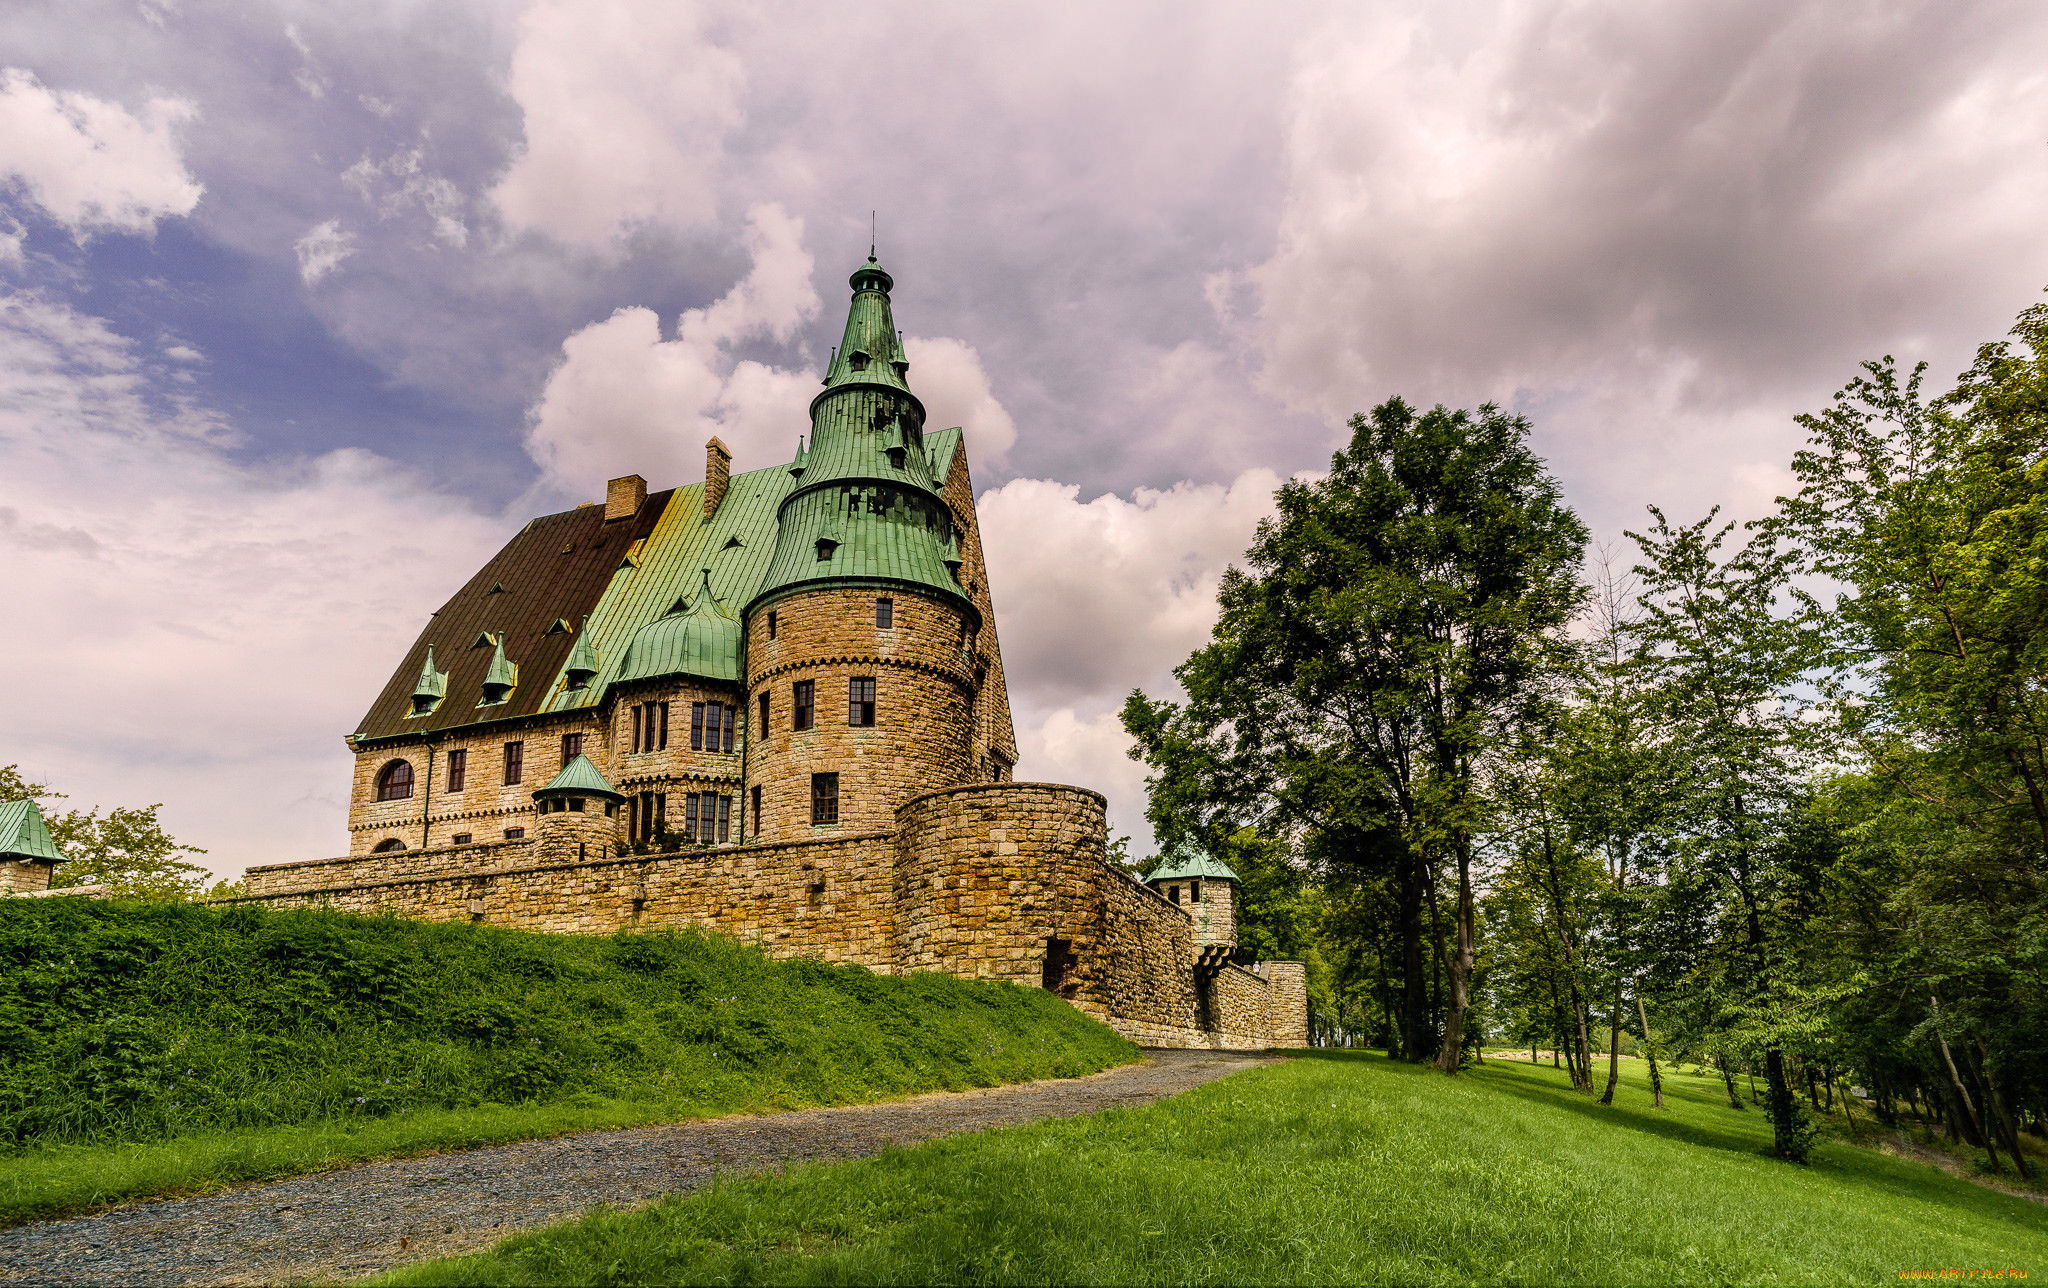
337,1225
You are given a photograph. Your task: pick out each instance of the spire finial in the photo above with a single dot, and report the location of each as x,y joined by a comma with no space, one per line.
871,236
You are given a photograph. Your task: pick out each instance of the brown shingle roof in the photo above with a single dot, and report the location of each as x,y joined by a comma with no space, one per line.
556,567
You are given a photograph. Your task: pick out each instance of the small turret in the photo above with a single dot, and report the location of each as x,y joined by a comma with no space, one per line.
1207,888
431,687
502,678
583,665
699,639
27,854
578,815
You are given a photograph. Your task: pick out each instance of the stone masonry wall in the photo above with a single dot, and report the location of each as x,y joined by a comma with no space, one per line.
994,733
832,899
993,879
366,869
920,736
23,877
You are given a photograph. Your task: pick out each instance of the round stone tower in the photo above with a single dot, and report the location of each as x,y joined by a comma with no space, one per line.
860,689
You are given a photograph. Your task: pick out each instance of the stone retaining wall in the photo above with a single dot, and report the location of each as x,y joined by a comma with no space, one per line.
991,881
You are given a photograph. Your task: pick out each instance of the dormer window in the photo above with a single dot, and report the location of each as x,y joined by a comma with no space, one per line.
423,703
858,360
896,455
826,546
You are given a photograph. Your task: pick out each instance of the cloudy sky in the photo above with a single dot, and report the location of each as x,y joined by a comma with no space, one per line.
305,308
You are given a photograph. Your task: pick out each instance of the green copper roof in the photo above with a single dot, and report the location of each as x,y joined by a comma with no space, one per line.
23,835
502,678
699,638
432,683
1180,867
864,506
583,658
579,778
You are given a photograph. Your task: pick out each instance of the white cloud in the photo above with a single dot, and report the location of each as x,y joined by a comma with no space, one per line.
322,249
1096,598
623,400
1649,221
948,378
191,630
402,182
627,108
90,164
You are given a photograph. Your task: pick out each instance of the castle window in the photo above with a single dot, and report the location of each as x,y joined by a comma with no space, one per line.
572,747
885,613
803,698
650,727
576,804
458,769
764,715
515,833
771,623
697,727
896,458
515,762
391,846
690,817
1194,892
1173,893
858,360
460,838
757,811
824,798
860,701
394,781
724,819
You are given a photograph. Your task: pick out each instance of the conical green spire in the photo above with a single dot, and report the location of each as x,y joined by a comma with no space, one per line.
503,676
583,662
431,687
865,509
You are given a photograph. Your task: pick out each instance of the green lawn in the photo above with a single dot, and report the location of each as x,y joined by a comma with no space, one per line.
1339,1167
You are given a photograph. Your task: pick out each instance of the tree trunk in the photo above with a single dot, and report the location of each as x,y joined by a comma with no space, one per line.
1962,1094
1996,1102
1784,1108
1649,1051
1461,966
1413,997
1613,1045
1734,1099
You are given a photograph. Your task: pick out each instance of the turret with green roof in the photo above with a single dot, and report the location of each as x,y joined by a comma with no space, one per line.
866,508
26,850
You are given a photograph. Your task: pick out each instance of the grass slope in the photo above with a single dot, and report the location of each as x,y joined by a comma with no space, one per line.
152,1048
1337,1168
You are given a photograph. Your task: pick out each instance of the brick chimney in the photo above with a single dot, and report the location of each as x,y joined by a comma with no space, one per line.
622,497
717,473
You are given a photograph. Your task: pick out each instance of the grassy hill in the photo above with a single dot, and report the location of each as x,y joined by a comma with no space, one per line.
1338,1168
152,1047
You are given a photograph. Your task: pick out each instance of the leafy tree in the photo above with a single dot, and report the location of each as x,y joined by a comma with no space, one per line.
126,850
1395,612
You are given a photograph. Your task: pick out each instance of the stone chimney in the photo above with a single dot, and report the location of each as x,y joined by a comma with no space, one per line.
622,497
717,473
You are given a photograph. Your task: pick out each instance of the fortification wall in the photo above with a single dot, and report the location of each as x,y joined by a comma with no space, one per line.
1011,881
363,869
832,899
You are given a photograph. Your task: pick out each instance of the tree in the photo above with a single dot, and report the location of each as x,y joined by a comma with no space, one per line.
1395,612
126,850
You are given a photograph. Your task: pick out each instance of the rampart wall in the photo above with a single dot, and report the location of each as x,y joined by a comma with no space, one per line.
992,881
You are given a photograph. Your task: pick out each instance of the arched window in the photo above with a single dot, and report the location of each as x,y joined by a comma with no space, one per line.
387,846
394,781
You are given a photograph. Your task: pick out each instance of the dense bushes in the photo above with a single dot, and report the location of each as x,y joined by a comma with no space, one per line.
134,1021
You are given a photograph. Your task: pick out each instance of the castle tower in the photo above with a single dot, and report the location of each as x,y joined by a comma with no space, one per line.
27,854
1207,888
578,815
861,675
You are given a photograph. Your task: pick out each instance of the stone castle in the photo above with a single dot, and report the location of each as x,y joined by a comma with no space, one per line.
772,704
